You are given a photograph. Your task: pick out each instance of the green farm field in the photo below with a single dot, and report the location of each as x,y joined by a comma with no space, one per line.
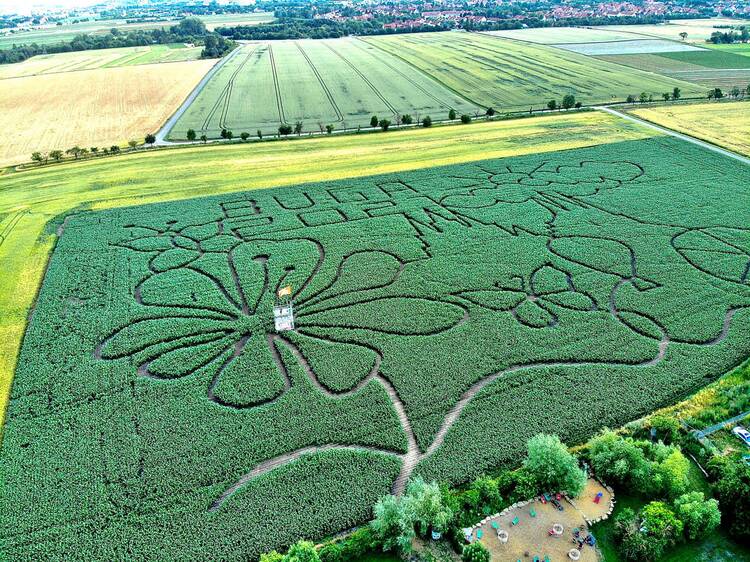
100,58
443,316
698,30
511,75
556,35
68,31
30,200
343,82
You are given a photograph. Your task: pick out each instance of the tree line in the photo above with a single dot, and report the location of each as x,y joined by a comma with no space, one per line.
188,30
79,153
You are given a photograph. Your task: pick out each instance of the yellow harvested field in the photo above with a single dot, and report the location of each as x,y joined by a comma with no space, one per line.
100,107
726,124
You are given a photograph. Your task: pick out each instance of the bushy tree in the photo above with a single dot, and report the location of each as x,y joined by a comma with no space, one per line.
384,124
374,121
285,130
272,556
643,98
302,551
732,489
393,524
618,460
427,121
259,134
425,505
488,498
298,128
490,111
37,157
329,128
666,96
244,136
451,114
676,93
331,553
568,101
204,139
407,119
674,474
190,134
552,466
132,143
630,98
552,105
150,139
698,515
475,552
465,119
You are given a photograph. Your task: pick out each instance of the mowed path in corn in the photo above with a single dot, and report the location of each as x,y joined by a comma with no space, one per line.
342,82
30,200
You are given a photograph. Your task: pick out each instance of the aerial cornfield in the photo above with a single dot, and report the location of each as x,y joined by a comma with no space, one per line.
443,316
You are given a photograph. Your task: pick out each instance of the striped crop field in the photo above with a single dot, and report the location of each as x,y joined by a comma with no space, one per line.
342,82
556,35
511,75
632,47
99,58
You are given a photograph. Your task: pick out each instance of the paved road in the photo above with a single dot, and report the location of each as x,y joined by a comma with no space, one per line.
161,136
687,138
716,427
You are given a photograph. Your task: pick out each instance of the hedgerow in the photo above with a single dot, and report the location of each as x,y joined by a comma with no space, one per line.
449,314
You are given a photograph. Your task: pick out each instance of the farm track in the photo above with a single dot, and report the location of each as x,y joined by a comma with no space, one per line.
329,95
161,135
277,88
10,224
224,97
365,79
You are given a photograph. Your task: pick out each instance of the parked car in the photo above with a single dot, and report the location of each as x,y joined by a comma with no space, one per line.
743,434
557,504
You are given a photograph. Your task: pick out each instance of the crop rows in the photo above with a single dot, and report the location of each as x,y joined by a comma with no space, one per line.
443,316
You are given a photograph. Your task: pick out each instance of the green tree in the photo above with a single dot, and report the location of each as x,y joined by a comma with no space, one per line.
683,35
114,149
150,139
331,552
718,94
223,133
676,93
552,105
393,524
525,485
329,128
298,128
204,139
488,497
229,135
732,489
465,119
259,133
374,121
630,98
37,157
384,124
666,96
662,526
666,428
747,90
244,136
619,461
451,114
490,111
302,551
568,101
643,98
735,93
272,556
425,504
132,143
407,119
475,552
674,474
699,515
190,134
427,121
75,152
285,129
552,465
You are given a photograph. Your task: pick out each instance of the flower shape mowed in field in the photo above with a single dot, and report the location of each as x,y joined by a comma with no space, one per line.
511,185
220,323
533,303
175,247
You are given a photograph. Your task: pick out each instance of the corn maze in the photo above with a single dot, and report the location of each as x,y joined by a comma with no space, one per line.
442,317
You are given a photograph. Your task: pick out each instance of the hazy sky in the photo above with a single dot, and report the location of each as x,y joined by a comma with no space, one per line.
25,6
